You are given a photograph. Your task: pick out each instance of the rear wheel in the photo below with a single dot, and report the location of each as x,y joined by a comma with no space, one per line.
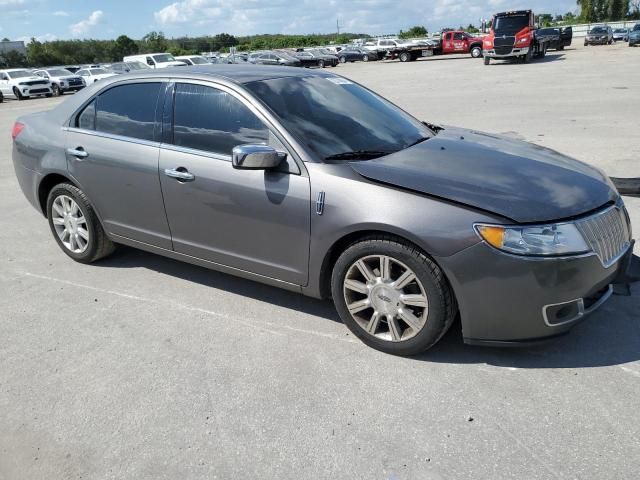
392,296
365,58
560,48
75,225
321,63
342,59
405,57
476,52
56,90
1,97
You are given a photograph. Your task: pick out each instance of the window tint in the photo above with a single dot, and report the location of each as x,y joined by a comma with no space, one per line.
458,36
128,110
212,120
87,119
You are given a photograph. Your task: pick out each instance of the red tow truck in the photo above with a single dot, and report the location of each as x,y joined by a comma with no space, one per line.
455,41
514,35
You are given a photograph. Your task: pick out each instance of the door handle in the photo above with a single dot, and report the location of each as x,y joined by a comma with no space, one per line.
180,173
77,152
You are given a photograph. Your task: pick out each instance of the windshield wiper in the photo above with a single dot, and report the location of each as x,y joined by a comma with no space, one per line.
420,140
358,155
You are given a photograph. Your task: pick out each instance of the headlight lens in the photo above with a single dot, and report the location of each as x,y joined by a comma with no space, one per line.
545,240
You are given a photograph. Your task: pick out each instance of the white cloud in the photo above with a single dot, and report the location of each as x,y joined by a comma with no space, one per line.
47,37
11,3
60,13
85,25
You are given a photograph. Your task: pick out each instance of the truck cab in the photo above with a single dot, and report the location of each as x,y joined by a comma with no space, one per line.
513,34
460,42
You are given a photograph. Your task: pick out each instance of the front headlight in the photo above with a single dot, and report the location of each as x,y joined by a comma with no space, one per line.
545,240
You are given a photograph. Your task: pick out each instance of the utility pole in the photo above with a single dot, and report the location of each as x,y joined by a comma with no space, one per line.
338,25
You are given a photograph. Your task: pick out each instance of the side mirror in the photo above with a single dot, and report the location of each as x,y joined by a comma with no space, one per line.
256,157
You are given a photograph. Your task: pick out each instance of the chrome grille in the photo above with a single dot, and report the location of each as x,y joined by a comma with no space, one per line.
608,233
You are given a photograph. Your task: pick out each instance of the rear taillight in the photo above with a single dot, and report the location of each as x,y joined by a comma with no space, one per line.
17,128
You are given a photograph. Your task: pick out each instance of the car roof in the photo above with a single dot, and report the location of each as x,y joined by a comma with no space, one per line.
15,70
235,73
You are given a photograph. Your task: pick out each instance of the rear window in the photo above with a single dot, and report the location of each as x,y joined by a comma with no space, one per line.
125,110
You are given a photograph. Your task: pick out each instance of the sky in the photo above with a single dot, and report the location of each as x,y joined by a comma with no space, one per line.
66,19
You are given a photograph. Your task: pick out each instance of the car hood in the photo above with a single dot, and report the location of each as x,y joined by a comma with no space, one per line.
33,78
517,180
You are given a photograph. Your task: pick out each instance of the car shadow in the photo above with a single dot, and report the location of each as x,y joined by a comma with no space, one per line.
550,57
611,336
127,257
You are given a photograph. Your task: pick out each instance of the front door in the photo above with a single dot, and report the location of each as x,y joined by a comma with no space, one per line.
112,154
253,220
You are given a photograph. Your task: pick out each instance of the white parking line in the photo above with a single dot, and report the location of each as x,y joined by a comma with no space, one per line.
155,301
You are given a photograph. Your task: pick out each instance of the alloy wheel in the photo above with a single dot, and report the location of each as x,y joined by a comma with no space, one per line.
70,224
386,298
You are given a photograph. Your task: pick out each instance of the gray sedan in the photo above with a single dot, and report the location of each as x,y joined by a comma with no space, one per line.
310,182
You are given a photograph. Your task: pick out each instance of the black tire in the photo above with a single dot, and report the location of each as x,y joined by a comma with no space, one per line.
1,97
48,95
56,90
560,48
342,59
442,306
365,58
17,93
543,52
99,245
487,60
321,63
405,57
476,52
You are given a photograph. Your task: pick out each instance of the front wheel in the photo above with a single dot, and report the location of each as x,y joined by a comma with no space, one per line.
365,58
17,93
75,225
342,59
487,60
392,296
321,63
1,97
56,90
476,52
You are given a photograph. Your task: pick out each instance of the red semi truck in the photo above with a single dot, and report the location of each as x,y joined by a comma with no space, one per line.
514,35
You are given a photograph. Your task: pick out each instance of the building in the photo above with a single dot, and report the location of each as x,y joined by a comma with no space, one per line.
7,46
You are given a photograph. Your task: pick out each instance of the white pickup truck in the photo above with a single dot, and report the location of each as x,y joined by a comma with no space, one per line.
22,83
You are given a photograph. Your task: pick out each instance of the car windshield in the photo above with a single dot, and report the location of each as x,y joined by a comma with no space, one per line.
164,58
598,30
198,60
511,24
98,71
59,72
20,74
636,28
137,66
620,30
333,116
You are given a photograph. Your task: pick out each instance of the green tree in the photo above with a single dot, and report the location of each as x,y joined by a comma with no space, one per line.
122,47
154,42
13,59
545,19
417,31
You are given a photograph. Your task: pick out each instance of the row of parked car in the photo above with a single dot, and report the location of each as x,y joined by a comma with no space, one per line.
605,35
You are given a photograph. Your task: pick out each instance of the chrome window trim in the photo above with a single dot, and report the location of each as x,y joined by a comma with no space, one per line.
582,312
111,136
195,151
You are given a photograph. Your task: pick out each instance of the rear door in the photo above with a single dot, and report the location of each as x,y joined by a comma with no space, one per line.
253,220
112,152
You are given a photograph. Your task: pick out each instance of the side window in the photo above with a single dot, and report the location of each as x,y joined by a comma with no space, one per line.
458,36
212,120
128,110
150,61
87,119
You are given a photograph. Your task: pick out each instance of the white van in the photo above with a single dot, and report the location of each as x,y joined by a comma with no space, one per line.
155,60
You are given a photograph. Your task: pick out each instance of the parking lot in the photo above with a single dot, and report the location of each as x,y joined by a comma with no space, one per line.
143,367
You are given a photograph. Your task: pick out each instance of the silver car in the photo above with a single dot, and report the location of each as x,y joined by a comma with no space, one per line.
310,182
